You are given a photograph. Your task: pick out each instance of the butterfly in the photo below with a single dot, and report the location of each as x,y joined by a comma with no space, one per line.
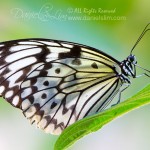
56,83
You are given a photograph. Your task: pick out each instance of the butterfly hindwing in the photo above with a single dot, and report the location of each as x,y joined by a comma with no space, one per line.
58,93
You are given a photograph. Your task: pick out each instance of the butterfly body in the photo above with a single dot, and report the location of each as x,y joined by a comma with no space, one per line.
56,83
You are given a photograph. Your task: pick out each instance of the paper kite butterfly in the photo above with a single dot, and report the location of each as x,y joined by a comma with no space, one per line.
56,83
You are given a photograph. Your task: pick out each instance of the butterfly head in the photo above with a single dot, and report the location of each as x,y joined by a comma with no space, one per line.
132,59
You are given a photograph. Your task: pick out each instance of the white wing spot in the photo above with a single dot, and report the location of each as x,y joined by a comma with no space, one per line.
22,54
49,128
26,92
58,49
1,45
50,43
1,70
36,118
30,43
15,100
42,123
40,68
67,45
22,63
20,47
9,94
30,112
34,74
12,79
57,131
52,56
2,88
25,104
26,84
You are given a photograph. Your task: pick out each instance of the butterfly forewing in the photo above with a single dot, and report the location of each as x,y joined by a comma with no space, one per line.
56,83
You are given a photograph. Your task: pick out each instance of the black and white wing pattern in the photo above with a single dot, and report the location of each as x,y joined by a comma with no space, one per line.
56,83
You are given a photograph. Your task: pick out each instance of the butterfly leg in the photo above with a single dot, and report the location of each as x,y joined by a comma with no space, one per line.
120,91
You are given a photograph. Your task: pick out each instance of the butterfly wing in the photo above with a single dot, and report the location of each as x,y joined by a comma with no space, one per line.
17,60
56,83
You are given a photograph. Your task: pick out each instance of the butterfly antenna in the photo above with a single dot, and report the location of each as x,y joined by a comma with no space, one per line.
140,37
144,69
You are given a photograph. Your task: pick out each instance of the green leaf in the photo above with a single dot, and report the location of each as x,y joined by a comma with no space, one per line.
93,123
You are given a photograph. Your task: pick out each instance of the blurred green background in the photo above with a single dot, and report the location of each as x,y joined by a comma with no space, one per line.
109,26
